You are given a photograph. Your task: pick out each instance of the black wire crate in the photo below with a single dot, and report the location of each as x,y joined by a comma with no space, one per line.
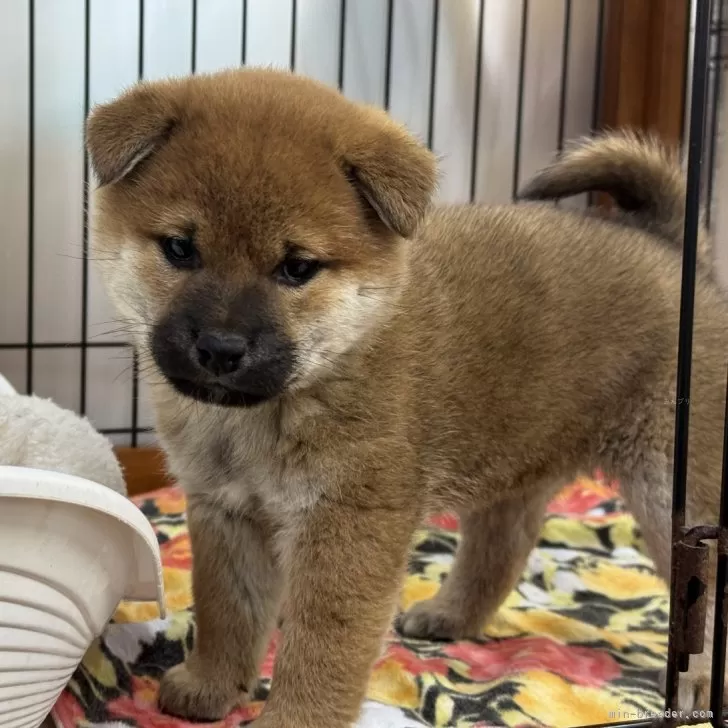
494,87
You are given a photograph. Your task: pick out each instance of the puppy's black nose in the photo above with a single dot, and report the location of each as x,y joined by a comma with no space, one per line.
220,353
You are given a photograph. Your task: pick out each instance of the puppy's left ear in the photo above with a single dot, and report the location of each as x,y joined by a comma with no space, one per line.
394,173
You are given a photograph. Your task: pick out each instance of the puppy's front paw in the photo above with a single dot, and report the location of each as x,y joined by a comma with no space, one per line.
186,694
429,620
270,720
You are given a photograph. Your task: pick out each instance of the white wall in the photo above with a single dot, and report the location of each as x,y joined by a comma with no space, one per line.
719,207
471,121
714,181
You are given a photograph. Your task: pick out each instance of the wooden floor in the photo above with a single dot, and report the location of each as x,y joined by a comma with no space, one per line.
144,469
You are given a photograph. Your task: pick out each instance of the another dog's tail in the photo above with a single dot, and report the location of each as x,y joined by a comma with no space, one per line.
642,175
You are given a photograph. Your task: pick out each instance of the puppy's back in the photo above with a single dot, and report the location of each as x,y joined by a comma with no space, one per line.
548,325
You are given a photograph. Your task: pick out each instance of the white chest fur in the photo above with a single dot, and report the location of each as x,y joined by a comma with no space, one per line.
240,454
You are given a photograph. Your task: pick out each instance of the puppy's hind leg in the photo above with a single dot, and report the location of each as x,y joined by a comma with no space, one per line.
496,542
647,491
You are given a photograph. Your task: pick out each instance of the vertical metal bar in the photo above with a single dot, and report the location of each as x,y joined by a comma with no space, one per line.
598,70
30,304
564,74
687,308
476,111
135,400
84,211
598,67
244,35
140,57
342,42
519,106
135,358
388,55
717,74
720,628
433,72
294,23
193,54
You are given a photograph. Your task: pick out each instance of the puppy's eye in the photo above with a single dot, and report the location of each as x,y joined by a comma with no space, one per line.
295,271
180,252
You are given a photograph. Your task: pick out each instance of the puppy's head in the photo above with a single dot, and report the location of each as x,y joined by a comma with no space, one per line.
251,226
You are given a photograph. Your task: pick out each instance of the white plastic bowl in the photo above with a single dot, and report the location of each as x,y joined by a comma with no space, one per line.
70,551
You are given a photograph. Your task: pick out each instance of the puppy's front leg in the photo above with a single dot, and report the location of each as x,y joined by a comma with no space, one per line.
345,566
236,586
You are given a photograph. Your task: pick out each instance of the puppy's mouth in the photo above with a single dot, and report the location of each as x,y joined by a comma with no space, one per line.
231,353
217,394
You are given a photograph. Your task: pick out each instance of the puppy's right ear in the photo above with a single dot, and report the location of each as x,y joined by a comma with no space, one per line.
123,133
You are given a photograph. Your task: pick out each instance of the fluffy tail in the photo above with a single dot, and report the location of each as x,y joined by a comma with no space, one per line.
643,176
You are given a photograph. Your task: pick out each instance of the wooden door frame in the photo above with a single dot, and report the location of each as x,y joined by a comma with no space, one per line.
645,47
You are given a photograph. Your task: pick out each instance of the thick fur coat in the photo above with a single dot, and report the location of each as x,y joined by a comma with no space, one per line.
331,357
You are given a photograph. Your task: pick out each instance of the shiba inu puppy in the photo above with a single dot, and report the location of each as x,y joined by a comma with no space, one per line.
331,357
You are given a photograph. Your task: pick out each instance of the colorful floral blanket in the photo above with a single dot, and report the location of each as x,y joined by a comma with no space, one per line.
580,641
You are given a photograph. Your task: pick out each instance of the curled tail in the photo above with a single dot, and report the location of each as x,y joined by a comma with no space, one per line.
643,177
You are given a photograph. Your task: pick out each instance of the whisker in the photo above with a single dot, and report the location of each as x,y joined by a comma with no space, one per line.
383,301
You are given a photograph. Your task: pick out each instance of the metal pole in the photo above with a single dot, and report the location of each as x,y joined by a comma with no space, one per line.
676,660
